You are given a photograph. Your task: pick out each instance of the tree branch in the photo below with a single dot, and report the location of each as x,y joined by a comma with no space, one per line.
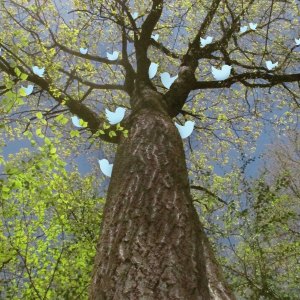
203,189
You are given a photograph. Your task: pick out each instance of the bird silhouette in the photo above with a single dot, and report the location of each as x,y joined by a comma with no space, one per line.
38,71
253,26
155,36
167,80
113,56
76,121
222,74
152,70
243,29
270,65
116,116
186,129
134,15
83,50
206,41
105,167
28,90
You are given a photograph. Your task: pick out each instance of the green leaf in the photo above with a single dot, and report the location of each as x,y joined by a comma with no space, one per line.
39,115
74,133
82,123
125,133
22,92
106,126
17,71
20,101
5,189
53,150
112,133
24,76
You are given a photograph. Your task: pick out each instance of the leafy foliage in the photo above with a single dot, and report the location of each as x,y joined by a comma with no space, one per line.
49,222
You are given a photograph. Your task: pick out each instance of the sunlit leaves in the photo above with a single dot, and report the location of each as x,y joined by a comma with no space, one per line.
42,207
61,119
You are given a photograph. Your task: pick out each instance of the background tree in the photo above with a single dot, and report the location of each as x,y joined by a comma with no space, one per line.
152,243
262,258
48,228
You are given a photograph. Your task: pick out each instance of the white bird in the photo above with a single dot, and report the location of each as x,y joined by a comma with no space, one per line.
206,41
253,26
297,41
152,70
155,36
83,50
116,116
28,90
185,130
270,65
167,80
113,56
134,15
222,74
243,29
76,122
105,167
38,71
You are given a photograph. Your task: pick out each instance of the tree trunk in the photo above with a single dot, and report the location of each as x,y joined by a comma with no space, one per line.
152,245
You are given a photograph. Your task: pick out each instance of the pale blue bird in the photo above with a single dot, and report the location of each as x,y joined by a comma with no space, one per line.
167,80
134,15
206,41
76,121
185,130
113,56
253,26
116,116
270,65
83,50
28,90
155,36
222,74
243,29
152,70
297,41
38,71
105,167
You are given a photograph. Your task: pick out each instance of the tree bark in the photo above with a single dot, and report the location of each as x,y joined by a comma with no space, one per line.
152,245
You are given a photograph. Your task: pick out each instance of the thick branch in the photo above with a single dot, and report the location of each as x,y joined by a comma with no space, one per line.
272,78
205,190
143,43
207,21
75,107
178,93
86,56
93,84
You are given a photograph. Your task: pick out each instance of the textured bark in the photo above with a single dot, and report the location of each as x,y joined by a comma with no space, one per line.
151,246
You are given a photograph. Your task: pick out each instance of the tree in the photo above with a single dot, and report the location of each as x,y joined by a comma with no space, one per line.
152,243
263,261
48,229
